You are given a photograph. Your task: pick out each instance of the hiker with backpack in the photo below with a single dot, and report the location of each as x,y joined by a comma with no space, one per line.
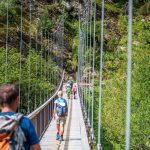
60,115
74,90
16,130
68,91
70,82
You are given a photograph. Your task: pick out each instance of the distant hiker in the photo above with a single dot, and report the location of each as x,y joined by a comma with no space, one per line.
74,90
60,115
16,131
70,82
68,91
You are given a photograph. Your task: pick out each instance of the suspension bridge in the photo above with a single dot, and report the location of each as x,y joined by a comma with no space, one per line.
49,47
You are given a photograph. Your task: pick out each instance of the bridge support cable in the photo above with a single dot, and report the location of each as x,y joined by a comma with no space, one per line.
45,49
7,26
129,74
41,65
93,73
89,73
37,62
20,63
101,69
48,61
86,60
80,53
51,46
85,64
30,49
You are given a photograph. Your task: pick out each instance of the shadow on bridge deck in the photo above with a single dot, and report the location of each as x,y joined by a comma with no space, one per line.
75,137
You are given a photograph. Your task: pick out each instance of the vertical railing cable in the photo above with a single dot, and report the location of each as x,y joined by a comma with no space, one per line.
101,69
89,76
20,65
93,88
29,63
45,49
6,63
36,66
129,70
41,65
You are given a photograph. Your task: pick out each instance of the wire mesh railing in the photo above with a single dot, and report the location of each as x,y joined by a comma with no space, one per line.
43,115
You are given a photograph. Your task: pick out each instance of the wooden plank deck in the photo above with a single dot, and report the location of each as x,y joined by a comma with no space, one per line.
75,137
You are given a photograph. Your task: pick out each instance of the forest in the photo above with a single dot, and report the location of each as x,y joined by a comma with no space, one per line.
25,43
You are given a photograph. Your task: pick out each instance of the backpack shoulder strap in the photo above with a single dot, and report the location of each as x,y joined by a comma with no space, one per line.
9,122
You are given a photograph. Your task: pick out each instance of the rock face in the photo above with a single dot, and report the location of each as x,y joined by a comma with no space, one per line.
88,74
72,6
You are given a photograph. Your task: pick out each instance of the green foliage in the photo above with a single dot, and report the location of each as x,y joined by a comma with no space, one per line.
145,9
45,23
42,80
114,83
114,68
114,89
13,9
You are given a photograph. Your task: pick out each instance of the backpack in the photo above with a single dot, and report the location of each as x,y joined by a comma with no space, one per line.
11,134
74,89
61,108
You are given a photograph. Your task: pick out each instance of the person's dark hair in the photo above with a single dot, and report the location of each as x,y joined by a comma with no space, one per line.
8,94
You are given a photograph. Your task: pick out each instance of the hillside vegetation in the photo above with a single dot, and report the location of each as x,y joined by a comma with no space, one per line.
114,69
115,75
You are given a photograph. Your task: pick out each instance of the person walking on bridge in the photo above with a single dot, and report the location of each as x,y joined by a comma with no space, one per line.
74,90
60,115
16,131
70,82
68,91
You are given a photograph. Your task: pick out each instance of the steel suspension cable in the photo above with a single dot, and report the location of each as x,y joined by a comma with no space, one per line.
101,69
48,63
51,80
6,63
47,70
20,65
36,67
90,51
129,70
88,63
35,102
81,54
52,51
45,61
84,63
86,58
79,46
94,46
55,82
41,65
30,49
62,39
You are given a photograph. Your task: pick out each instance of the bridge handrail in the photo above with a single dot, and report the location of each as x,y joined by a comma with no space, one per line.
44,113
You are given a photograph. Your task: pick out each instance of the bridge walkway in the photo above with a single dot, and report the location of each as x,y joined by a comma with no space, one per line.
75,137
